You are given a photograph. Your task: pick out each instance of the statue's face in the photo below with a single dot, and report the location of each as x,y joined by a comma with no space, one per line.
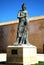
23,7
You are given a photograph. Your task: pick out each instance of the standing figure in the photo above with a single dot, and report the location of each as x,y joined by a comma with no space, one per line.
22,32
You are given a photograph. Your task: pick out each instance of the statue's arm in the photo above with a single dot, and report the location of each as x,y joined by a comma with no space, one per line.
19,15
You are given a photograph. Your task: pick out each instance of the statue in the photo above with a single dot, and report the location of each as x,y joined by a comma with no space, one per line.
21,52
22,32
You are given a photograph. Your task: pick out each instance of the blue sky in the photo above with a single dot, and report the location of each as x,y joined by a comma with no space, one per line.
10,8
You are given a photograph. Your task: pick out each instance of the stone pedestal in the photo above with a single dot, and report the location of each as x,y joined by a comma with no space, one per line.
22,54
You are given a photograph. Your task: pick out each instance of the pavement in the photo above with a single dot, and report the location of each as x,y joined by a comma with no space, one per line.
3,57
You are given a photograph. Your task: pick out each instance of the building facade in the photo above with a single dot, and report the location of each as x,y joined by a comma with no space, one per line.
8,33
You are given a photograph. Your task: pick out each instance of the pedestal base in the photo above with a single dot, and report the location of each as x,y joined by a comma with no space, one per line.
22,54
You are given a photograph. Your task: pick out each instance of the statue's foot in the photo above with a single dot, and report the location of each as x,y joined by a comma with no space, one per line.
16,43
19,43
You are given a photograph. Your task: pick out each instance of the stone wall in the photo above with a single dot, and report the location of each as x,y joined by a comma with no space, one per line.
8,33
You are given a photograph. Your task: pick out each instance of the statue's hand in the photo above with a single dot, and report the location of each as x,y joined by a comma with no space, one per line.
25,16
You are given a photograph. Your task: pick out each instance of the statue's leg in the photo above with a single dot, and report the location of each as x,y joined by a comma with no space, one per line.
25,35
25,41
24,38
19,40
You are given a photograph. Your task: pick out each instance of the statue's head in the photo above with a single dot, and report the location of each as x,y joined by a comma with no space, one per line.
23,7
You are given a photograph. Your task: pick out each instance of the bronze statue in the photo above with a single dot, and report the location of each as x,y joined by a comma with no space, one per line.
22,32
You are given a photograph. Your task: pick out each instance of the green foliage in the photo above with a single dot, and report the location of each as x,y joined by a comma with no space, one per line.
40,63
2,64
